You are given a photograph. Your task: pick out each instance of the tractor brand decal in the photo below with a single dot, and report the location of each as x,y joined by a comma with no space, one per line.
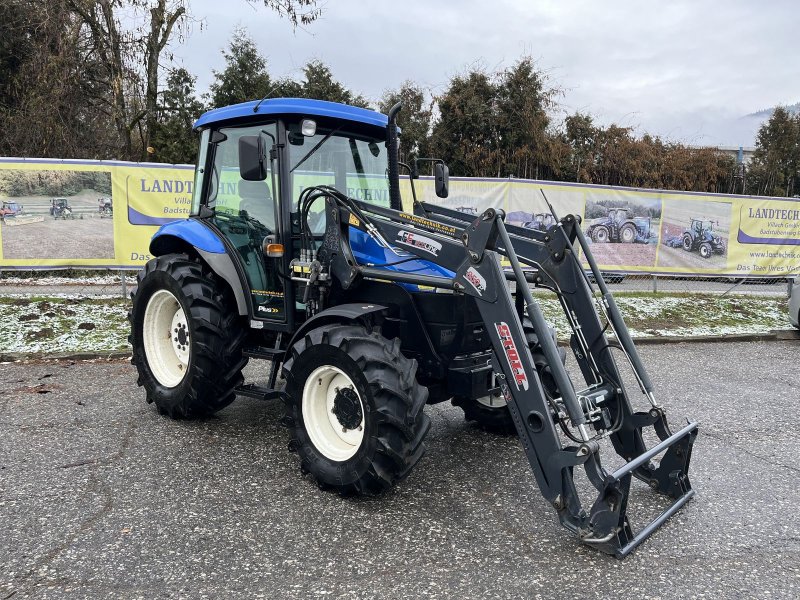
353,220
510,350
419,241
268,309
476,280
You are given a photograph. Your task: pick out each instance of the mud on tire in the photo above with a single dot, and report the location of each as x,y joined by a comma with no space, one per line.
379,379
215,336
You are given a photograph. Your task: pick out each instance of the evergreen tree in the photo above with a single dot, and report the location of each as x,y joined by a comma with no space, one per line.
318,83
414,120
245,75
775,170
173,140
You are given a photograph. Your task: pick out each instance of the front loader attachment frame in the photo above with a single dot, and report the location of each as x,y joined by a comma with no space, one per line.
557,434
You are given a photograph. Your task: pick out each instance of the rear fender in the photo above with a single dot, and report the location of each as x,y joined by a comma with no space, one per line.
190,235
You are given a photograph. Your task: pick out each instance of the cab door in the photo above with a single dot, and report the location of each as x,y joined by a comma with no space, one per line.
246,212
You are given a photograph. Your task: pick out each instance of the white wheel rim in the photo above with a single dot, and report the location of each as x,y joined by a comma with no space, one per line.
627,235
167,344
336,440
492,401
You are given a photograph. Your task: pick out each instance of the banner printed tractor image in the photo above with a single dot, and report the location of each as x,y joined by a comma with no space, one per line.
105,207
11,214
699,237
60,209
379,312
618,226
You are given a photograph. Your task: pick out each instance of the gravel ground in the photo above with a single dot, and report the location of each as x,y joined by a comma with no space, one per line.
100,497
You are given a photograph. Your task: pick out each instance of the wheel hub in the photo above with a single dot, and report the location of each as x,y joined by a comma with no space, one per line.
166,338
333,413
347,408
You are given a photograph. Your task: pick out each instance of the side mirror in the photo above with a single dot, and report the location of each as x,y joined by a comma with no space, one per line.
441,177
251,158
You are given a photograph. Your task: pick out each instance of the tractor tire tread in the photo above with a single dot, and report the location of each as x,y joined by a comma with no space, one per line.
399,425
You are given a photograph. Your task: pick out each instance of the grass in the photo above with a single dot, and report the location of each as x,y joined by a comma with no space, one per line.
62,324
47,324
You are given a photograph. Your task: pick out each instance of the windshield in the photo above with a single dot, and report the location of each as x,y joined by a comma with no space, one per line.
354,164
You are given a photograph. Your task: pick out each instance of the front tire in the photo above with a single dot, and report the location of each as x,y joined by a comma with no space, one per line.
705,250
354,409
186,336
491,413
600,234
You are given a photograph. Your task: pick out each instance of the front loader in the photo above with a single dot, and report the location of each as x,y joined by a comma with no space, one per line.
298,252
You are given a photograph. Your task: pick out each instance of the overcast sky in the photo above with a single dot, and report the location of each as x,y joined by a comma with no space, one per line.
685,70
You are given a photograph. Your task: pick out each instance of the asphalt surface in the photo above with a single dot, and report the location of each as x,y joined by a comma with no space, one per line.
101,497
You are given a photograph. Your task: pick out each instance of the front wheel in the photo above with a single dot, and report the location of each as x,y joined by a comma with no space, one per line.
705,250
187,337
354,409
491,413
600,234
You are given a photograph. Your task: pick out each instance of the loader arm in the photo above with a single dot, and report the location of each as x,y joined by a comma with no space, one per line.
472,248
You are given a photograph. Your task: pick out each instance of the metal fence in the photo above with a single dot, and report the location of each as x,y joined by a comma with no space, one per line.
119,283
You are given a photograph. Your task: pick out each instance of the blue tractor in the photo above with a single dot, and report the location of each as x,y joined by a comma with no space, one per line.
619,226
298,253
700,237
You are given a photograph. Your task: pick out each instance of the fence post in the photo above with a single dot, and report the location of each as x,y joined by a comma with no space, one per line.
655,283
124,284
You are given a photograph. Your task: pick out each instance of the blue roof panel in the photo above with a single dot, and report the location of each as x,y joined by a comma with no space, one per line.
293,106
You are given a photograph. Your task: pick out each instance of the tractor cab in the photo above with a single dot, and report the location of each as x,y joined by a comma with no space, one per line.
257,163
699,226
618,214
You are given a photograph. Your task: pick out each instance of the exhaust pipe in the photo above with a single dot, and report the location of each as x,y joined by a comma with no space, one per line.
395,202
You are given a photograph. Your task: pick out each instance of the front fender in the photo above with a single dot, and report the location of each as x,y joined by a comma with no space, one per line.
192,232
179,236
337,314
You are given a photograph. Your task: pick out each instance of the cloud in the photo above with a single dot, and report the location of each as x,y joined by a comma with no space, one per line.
685,69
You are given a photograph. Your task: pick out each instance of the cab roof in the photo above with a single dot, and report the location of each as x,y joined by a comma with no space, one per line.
293,106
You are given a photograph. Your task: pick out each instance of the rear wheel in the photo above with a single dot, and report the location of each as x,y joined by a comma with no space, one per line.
687,242
705,250
627,234
187,337
600,234
354,409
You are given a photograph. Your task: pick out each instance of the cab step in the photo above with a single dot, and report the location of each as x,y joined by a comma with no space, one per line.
259,393
264,353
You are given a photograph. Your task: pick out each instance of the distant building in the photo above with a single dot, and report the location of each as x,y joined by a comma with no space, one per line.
740,153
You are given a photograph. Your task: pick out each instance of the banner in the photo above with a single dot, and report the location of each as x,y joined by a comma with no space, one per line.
99,214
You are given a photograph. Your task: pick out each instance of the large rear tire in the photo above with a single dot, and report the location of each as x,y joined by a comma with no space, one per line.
627,234
354,409
186,336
